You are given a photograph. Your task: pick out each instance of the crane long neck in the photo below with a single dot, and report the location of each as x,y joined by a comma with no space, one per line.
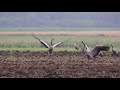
112,47
84,44
51,42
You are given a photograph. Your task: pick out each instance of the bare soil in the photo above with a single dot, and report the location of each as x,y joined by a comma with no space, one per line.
16,64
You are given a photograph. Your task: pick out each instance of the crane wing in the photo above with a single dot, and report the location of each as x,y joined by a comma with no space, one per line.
99,48
44,43
57,44
41,41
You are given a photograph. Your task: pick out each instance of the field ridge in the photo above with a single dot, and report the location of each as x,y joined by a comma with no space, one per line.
77,33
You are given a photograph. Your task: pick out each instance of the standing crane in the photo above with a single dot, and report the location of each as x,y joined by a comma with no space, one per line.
76,46
114,52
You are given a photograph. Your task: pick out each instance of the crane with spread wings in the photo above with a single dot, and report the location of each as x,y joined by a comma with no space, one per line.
50,47
95,51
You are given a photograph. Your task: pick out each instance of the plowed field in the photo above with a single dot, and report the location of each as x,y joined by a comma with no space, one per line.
16,64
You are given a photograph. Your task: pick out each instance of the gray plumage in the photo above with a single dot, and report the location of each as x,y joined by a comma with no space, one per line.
76,46
114,52
50,47
95,51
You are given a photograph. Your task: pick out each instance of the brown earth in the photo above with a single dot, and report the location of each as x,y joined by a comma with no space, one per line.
108,33
15,64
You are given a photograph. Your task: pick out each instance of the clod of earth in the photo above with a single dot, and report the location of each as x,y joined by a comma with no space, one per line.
15,64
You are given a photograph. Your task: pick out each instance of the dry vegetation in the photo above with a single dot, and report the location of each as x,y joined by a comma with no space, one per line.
107,33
